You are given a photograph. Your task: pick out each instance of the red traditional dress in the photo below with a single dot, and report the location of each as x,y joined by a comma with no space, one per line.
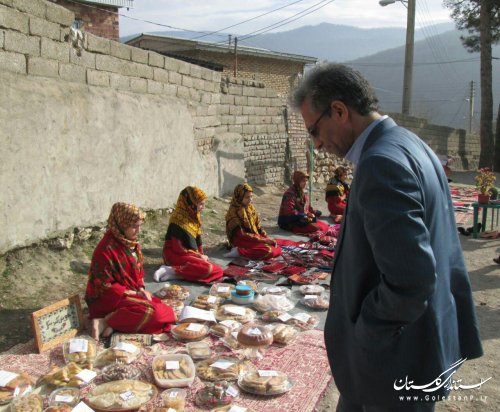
244,231
183,249
116,274
336,195
296,214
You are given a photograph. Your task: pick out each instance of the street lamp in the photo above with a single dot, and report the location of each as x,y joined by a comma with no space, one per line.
410,34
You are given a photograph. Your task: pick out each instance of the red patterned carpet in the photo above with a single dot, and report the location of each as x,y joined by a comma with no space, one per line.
304,361
463,197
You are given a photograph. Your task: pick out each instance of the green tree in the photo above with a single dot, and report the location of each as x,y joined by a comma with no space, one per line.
481,19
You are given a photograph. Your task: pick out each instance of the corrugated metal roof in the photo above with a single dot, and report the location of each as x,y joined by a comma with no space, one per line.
116,3
216,47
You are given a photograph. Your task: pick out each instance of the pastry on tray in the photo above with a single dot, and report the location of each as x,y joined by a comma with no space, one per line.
190,331
254,335
265,383
235,312
123,394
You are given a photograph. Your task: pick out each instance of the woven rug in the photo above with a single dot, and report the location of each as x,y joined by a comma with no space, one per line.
304,361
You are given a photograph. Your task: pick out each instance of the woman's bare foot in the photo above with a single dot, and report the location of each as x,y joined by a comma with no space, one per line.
99,326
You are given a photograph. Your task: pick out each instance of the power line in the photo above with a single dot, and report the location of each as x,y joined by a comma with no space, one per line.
287,20
473,59
246,21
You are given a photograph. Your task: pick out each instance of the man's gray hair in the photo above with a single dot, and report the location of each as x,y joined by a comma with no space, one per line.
328,82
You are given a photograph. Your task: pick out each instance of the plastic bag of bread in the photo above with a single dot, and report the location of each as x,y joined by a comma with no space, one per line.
207,302
303,321
13,383
273,302
122,352
265,382
283,334
317,302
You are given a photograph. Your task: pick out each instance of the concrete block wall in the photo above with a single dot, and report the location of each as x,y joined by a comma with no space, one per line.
276,74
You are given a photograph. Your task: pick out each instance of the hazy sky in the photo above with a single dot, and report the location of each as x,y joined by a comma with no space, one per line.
211,15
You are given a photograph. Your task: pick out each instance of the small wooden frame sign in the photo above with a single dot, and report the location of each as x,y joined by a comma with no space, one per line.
57,323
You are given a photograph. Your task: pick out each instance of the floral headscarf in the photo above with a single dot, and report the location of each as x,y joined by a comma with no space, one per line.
122,216
297,177
185,214
241,216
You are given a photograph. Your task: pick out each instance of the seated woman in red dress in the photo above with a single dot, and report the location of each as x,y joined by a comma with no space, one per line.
296,213
115,295
243,228
336,193
183,249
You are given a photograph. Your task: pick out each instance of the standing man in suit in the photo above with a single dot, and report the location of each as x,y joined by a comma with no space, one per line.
402,315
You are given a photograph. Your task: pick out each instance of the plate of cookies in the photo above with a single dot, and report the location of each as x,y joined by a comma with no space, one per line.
120,396
223,368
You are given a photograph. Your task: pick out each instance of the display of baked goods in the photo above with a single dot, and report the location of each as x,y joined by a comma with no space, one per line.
122,352
275,290
188,332
254,335
264,382
170,291
222,290
12,382
199,350
174,398
120,371
68,375
283,334
318,302
216,394
176,304
174,370
64,396
231,341
272,302
311,289
235,312
27,403
232,408
81,350
207,302
120,395
192,314
303,321
223,368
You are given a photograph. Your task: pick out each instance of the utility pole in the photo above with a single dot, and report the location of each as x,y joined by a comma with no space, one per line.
235,56
408,71
471,105
229,40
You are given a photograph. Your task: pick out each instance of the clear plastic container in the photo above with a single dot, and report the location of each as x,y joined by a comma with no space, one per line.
316,302
15,383
122,395
223,368
273,302
199,350
253,335
64,396
174,398
170,291
174,370
275,290
215,395
222,290
27,403
207,302
234,312
82,350
311,289
283,334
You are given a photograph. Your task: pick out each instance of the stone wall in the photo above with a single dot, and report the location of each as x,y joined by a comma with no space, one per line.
97,19
87,121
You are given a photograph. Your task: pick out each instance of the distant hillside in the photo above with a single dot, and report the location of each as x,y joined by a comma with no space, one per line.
326,41
441,79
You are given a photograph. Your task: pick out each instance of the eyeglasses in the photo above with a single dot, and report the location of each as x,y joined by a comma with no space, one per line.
313,130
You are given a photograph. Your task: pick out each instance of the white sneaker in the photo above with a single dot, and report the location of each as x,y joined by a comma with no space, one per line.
165,273
233,253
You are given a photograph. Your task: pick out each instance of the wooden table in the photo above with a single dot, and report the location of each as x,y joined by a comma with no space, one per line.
494,205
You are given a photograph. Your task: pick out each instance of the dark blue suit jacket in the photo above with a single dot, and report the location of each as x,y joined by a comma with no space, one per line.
401,302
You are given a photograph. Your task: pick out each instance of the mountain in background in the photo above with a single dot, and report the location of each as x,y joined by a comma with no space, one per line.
442,71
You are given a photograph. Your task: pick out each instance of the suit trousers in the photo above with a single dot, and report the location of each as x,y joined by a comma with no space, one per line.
347,406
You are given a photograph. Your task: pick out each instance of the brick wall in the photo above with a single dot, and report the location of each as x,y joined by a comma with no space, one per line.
97,19
274,73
